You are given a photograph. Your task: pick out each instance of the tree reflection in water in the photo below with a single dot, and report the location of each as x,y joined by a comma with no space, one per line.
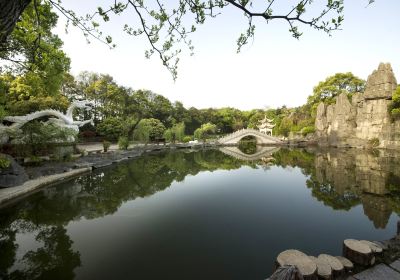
339,179
248,145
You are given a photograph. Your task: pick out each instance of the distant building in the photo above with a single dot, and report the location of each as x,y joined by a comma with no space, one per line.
266,126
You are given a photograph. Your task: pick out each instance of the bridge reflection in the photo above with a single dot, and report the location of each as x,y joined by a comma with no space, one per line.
262,153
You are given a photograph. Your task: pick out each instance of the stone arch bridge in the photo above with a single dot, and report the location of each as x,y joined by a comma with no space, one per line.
262,139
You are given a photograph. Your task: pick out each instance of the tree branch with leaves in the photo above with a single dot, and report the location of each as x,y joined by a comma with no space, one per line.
167,25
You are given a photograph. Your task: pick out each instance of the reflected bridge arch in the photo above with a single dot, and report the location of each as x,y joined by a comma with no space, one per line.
263,152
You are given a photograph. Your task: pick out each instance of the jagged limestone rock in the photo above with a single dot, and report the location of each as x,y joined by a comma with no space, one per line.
320,120
363,120
381,83
372,118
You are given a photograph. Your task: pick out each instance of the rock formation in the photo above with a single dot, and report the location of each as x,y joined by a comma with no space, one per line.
364,119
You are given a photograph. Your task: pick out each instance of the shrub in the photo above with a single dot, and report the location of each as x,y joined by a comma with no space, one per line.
149,129
394,107
34,161
204,131
198,134
169,136
374,142
307,130
395,113
175,133
38,137
106,145
186,139
111,128
4,162
123,143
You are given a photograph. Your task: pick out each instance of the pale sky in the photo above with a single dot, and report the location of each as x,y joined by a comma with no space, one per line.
273,70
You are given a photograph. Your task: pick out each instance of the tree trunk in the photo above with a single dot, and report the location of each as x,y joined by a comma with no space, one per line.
10,11
305,265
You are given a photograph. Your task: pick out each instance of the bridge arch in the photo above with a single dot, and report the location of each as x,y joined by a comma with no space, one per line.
235,137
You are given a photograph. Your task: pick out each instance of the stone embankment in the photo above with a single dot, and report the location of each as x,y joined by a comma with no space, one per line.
364,119
10,194
50,172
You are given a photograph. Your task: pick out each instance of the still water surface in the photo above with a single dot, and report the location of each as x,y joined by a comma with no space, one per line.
206,214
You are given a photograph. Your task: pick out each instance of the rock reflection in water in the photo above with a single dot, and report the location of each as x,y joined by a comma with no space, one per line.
343,179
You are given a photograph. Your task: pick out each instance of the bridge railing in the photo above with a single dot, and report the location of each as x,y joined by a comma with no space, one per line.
243,132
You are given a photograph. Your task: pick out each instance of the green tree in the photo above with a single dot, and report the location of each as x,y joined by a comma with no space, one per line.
111,128
33,81
285,126
175,133
327,91
205,131
108,97
34,48
180,113
394,107
161,109
149,129
196,119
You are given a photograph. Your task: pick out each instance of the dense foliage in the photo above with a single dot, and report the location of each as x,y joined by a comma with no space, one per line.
203,132
149,130
175,133
33,81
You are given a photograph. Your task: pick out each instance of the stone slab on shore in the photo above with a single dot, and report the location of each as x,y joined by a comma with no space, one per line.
378,272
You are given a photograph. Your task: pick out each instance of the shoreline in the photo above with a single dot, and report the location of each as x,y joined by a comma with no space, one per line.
56,172
64,171
13,194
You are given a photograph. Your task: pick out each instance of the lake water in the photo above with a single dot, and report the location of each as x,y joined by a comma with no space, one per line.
208,214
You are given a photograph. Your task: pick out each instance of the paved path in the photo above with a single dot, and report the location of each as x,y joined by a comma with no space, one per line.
98,146
91,147
379,272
